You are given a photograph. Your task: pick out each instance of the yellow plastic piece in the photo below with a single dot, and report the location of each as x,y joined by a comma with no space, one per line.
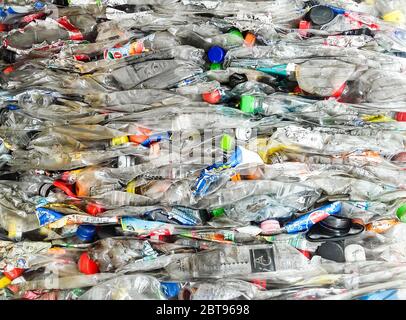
4,282
377,118
131,187
119,140
396,16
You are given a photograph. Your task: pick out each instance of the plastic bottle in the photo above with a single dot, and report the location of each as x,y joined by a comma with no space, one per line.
238,260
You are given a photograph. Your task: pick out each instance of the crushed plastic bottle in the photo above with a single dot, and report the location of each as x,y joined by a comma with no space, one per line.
203,150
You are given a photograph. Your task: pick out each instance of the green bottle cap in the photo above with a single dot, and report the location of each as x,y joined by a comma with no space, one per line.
236,32
401,212
217,212
216,66
226,142
247,104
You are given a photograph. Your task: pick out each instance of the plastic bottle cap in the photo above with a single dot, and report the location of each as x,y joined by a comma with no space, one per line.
45,189
212,97
247,104
354,253
243,134
321,15
39,5
8,70
250,39
237,78
401,212
269,226
217,212
216,66
303,27
94,209
331,250
170,289
86,232
226,142
87,265
236,32
401,116
216,54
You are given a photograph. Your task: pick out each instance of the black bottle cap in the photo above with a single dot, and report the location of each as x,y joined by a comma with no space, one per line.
8,56
237,78
320,15
204,215
45,189
332,250
62,3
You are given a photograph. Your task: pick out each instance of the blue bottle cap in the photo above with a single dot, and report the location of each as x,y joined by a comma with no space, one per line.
39,5
170,289
216,54
86,232
12,107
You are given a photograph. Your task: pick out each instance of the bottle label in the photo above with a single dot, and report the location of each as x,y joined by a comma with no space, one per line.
185,216
80,219
129,49
46,216
140,226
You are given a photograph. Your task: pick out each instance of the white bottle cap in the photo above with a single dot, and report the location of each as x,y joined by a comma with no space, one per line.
243,134
354,253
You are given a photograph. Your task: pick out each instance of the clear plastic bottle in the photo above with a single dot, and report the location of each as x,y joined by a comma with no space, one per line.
238,260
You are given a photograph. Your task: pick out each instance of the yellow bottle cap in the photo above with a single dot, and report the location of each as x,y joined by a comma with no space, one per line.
4,282
119,140
396,16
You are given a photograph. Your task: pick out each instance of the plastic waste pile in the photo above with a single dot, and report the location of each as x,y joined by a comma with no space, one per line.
190,149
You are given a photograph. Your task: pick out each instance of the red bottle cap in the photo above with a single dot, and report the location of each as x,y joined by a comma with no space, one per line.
94,209
82,57
14,273
212,97
401,116
87,265
8,70
303,27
